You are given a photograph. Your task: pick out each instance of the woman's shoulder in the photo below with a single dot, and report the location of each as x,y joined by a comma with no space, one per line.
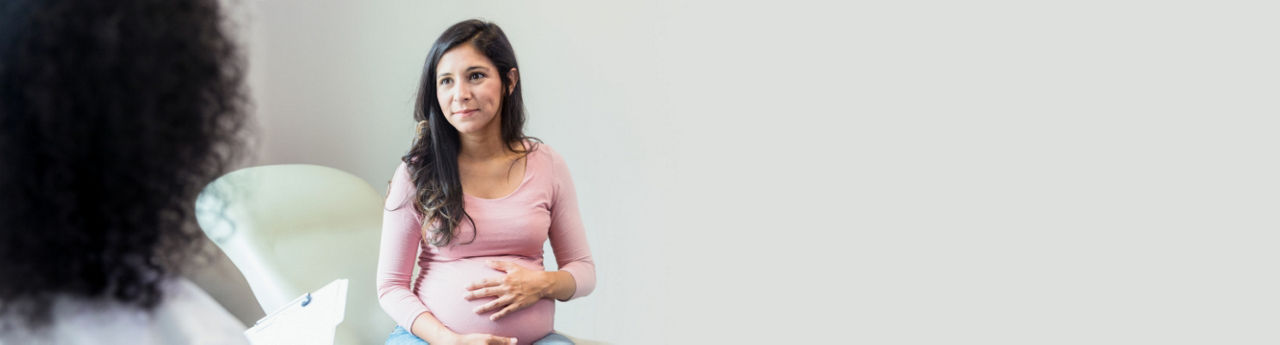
548,161
402,174
186,315
401,186
540,150
189,313
402,168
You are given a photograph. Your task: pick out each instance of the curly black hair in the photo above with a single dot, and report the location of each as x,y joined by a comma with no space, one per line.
113,116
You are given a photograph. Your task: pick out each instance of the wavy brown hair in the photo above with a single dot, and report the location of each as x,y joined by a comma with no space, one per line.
433,158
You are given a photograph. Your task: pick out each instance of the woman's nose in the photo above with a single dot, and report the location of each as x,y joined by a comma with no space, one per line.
462,92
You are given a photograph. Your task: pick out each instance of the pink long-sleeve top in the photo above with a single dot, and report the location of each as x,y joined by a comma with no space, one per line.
511,228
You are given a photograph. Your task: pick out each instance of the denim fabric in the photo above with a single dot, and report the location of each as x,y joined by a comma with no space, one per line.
402,337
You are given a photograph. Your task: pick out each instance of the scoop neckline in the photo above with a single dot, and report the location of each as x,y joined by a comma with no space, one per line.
528,162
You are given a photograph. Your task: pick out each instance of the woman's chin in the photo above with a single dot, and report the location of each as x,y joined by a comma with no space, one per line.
470,124
467,128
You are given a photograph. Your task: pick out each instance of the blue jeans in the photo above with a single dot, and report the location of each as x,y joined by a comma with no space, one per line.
402,337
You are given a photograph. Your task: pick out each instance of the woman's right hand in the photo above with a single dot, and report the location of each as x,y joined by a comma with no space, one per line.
483,339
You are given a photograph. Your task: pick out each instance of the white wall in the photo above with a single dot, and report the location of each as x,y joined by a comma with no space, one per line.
903,172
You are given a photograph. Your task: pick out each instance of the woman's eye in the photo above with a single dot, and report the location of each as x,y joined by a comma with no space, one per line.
477,75
445,81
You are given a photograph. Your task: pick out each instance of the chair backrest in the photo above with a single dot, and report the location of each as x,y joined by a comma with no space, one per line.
292,229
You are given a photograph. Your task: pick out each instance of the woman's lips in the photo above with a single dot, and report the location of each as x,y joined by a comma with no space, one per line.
464,113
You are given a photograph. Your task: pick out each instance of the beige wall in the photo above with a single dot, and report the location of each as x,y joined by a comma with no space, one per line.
904,172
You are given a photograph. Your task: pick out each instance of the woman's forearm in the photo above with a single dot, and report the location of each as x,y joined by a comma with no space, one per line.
562,285
427,327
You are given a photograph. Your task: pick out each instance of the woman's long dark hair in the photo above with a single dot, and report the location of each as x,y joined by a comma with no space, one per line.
433,157
113,116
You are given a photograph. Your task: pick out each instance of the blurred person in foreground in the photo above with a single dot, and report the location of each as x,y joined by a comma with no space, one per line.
113,116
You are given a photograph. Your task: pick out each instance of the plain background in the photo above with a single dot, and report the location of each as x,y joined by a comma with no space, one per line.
899,172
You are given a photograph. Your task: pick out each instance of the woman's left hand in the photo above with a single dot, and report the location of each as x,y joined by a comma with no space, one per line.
520,288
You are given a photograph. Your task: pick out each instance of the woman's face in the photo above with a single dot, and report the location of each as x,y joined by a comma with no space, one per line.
469,90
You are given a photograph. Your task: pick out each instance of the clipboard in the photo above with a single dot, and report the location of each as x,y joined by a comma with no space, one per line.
312,318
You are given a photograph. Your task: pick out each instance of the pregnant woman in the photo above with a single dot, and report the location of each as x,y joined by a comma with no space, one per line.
472,204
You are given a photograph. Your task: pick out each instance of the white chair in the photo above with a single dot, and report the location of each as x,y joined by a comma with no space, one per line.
291,229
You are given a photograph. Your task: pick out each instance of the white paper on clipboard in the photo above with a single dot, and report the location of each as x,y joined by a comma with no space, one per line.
309,319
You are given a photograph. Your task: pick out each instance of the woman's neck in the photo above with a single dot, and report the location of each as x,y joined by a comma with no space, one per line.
477,147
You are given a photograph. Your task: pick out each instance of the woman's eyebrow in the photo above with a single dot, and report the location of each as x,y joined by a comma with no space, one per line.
446,74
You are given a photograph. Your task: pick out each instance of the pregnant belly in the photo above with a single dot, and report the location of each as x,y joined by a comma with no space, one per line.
444,287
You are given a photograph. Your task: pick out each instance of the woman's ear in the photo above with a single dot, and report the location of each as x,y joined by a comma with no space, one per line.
514,76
